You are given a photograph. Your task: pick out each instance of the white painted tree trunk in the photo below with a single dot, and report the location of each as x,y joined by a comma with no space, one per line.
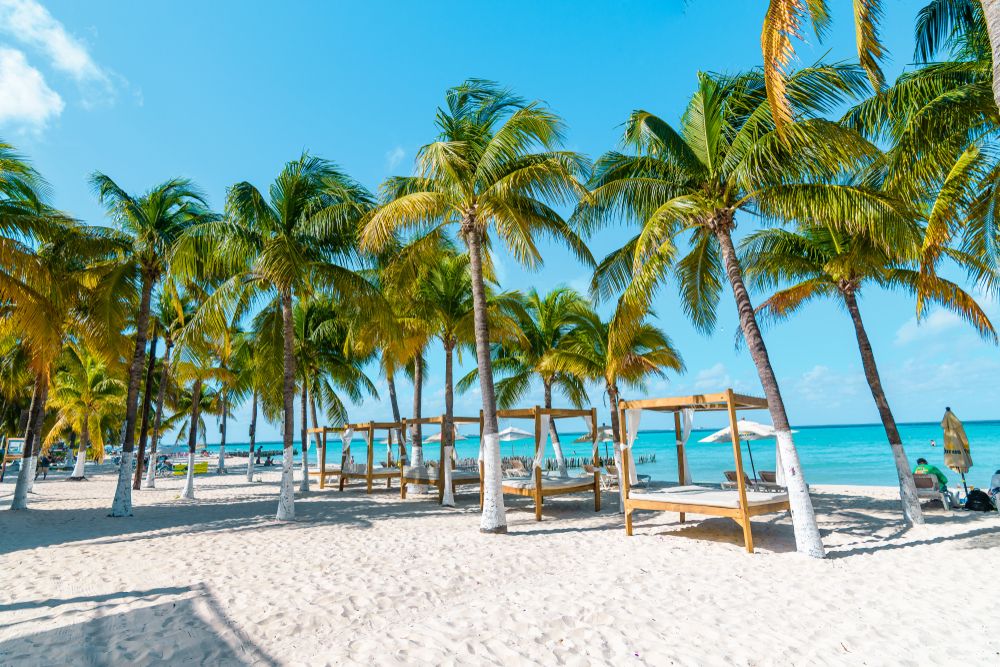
188,492
122,504
417,453
304,465
221,468
81,462
494,513
20,501
803,519
286,494
448,500
557,447
33,465
151,471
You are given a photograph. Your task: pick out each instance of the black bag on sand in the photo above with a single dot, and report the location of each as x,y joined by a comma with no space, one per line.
978,501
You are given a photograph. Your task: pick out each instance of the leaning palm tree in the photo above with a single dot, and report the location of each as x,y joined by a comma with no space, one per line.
820,262
84,394
152,221
493,171
299,239
544,323
726,158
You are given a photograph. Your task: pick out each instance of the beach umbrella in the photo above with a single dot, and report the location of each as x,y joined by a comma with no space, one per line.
604,434
956,446
512,433
746,431
437,437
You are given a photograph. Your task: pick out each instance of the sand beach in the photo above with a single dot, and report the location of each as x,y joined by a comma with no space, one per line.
362,579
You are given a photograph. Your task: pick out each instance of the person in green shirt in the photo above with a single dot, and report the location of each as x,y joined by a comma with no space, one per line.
924,468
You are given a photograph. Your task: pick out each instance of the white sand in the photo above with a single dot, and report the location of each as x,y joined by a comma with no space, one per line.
363,580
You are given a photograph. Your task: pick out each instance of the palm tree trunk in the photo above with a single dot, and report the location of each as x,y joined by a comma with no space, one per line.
991,12
807,539
188,492
907,489
619,437
390,380
29,454
417,446
448,427
147,399
613,400
161,393
81,454
286,493
494,518
252,435
556,445
122,503
221,468
304,484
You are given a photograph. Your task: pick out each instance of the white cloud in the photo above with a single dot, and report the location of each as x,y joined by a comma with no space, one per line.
825,385
932,326
714,378
30,23
394,157
26,101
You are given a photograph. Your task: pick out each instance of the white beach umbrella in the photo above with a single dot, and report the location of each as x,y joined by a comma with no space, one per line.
748,430
604,434
437,437
512,433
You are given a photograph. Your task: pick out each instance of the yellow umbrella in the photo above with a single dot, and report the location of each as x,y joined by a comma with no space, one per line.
956,446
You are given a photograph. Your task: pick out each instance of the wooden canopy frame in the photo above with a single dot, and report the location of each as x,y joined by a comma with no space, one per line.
538,492
440,419
324,472
727,401
388,474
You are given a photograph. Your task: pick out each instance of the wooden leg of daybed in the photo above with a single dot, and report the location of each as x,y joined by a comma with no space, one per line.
747,534
341,482
538,507
388,482
597,494
682,517
402,488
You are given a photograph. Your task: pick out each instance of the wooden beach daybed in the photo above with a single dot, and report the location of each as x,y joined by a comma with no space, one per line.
738,504
331,469
539,485
347,470
431,475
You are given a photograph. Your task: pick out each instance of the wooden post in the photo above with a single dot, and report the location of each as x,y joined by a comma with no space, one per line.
344,451
680,453
322,460
597,463
402,459
624,479
371,454
536,469
741,483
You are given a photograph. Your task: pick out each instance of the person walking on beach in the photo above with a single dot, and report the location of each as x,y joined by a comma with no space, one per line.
933,443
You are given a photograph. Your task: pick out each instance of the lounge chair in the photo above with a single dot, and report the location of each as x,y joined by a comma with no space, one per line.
515,469
732,482
606,480
769,481
610,476
929,488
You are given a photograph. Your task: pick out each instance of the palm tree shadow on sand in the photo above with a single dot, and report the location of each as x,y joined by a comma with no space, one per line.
177,625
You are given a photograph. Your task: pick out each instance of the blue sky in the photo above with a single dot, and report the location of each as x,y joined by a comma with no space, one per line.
227,91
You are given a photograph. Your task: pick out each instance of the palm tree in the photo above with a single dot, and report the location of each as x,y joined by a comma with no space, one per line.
173,311
822,262
783,24
152,221
545,323
84,394
493,167
726,157
299,239
613,354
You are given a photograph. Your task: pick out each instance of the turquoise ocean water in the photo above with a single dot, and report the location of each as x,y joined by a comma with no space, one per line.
830,454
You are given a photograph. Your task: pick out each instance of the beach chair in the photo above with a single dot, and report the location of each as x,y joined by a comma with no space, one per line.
732,482
515,469
928,488
769,481
610,477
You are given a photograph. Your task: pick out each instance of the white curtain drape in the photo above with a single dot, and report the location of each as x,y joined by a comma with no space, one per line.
590,431
687,423
634,415
345,443
541,438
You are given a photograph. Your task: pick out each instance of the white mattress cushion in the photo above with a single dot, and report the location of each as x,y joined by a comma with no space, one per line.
701,495
547,482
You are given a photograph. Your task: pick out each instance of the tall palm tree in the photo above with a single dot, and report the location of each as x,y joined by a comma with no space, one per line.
493,171
614,354
726,158
299,239
821,262
545,323
85,393
152,222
